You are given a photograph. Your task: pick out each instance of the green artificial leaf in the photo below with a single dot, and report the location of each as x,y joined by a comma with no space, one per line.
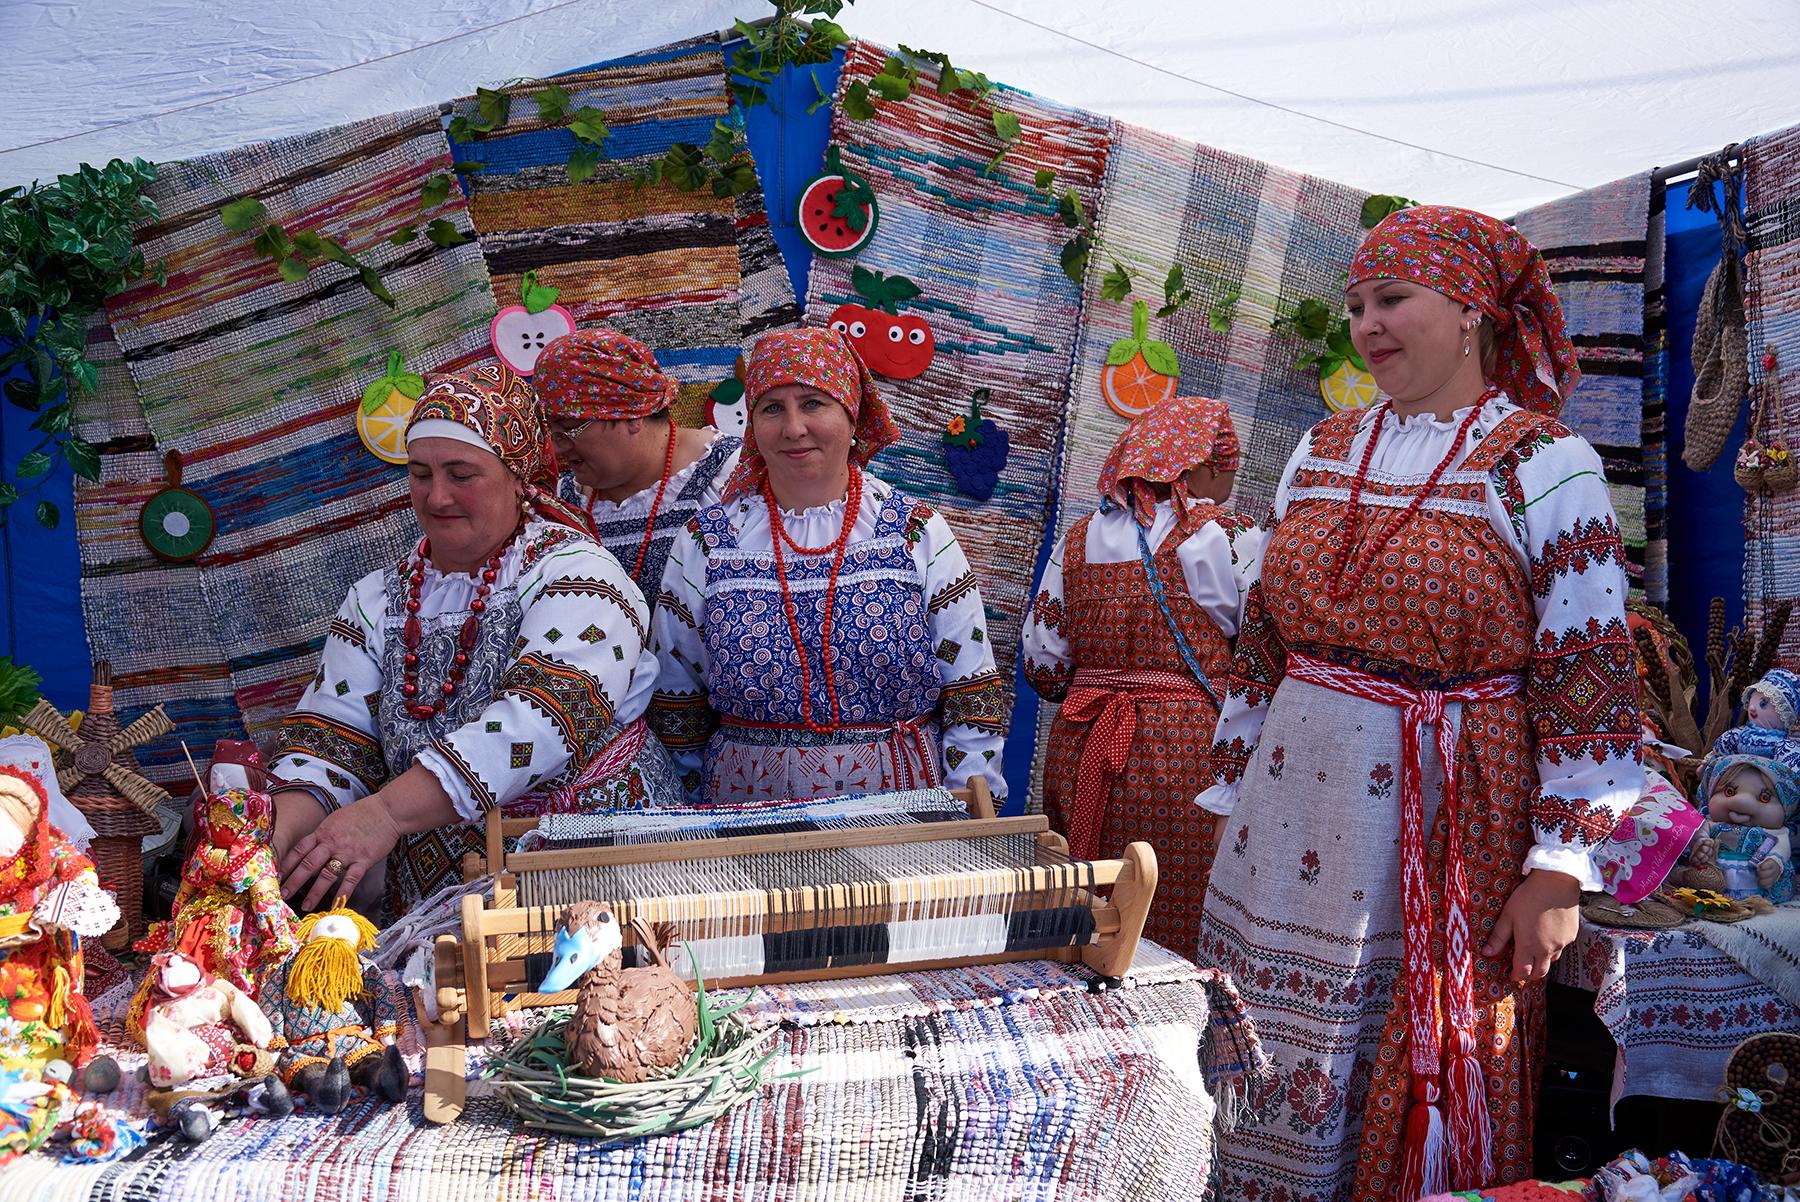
1218,321
435,191
993,164
309,245
376,394
899,288
1006,126
1174,284
1337,340
824,97
1328,364
54,420
1376,208
1075,256
735,180
1161,357
682,166
83,459
443,232
553,104
48,515
721,148
857,104
85,375
403,235
371,280
468,167
462,129
242,214
292,270
333,250
1045,178
1116,286
1312,318
582,163
33,465
1069,207
495,108
867,283
589,124
8,495
890,87
24,392
1122,352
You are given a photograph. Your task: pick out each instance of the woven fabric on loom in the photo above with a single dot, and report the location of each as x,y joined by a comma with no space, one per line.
1656,403
1772,305
984,250
1012,1081
146,616
694,276
1593,243
1234,224
256,382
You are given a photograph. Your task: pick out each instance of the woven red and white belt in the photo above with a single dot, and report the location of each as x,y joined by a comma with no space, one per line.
1449,1147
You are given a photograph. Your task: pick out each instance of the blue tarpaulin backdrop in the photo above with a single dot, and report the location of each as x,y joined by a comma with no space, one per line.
40,578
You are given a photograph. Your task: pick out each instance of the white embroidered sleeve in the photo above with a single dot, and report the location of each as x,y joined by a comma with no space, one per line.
329,744
972,706
680,713
1044,642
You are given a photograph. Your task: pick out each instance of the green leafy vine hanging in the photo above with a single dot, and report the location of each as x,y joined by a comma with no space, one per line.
64,248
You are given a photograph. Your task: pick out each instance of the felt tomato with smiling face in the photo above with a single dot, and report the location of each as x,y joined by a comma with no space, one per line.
897,345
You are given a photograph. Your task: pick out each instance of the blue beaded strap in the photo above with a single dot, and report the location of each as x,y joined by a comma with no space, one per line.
1162,603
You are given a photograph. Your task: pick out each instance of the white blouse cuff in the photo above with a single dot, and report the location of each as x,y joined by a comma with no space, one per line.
1575,861
460,797
1219,799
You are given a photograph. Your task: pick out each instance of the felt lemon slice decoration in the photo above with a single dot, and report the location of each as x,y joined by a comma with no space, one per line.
1140,371
1347,387
387,405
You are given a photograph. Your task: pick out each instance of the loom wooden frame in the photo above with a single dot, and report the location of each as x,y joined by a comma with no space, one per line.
486,962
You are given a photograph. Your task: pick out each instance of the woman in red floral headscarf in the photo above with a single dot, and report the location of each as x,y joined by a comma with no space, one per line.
1431,721
1131,631
820,632
502,662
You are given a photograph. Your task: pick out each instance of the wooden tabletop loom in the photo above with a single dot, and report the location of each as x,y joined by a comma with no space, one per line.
807,891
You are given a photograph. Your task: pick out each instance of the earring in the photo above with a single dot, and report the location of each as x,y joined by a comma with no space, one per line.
1465,344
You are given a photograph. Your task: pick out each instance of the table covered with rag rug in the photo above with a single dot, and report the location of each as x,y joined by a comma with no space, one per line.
1004,1081
1675,1003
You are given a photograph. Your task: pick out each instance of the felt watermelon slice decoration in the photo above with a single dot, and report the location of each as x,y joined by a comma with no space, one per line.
521,332
1140,371
837,213
176,524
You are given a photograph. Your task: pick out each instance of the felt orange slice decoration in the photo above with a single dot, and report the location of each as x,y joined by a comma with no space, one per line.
1348,387
386,406
1140,371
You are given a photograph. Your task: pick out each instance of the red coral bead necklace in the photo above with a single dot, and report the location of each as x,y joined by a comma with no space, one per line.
780,536
413,633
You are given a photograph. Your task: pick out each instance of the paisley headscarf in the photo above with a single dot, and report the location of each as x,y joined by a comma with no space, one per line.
600,374
1476,260
492,407
822,359
1161,446
1783,779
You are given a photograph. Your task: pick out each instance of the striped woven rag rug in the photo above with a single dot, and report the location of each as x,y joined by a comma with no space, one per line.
1594,244
1238,227
148,617
256,381
983,247
695,276
1016,1081
1772,304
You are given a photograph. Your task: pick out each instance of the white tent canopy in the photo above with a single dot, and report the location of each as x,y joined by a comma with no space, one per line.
1488,103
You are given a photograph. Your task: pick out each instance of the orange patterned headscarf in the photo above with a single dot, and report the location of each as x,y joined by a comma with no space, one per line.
1474,259
1161,446
822,359
600,375
492,407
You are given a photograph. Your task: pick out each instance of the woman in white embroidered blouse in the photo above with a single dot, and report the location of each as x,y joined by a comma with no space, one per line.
821,633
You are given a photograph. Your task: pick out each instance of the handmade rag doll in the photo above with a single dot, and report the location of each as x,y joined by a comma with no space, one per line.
198,1025
1771,712
1751,805
50,898
229,913
334,1017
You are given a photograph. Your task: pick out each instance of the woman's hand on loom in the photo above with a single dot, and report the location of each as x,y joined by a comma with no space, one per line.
1540,919
339,852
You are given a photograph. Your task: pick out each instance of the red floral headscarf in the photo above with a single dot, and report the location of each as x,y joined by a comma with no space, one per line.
600,374
822,359
1161,446
1474,259
492,407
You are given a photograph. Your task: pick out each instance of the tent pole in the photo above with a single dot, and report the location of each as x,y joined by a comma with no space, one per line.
1663,175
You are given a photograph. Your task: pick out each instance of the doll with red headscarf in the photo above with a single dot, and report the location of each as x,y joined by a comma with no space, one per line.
1434,701
820,632
1131,631
50,899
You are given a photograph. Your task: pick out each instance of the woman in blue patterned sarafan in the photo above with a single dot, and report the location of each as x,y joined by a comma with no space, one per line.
820,632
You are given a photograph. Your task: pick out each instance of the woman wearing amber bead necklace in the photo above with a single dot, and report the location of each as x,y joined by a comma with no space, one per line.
1432,719
820,632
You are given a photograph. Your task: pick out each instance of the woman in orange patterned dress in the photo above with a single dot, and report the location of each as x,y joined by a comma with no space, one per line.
1131,631
1432,719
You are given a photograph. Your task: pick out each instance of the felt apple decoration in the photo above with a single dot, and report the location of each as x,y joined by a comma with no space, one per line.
896,345
726,409
521,332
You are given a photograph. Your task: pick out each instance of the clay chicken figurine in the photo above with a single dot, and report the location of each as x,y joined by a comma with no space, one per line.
630,1024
